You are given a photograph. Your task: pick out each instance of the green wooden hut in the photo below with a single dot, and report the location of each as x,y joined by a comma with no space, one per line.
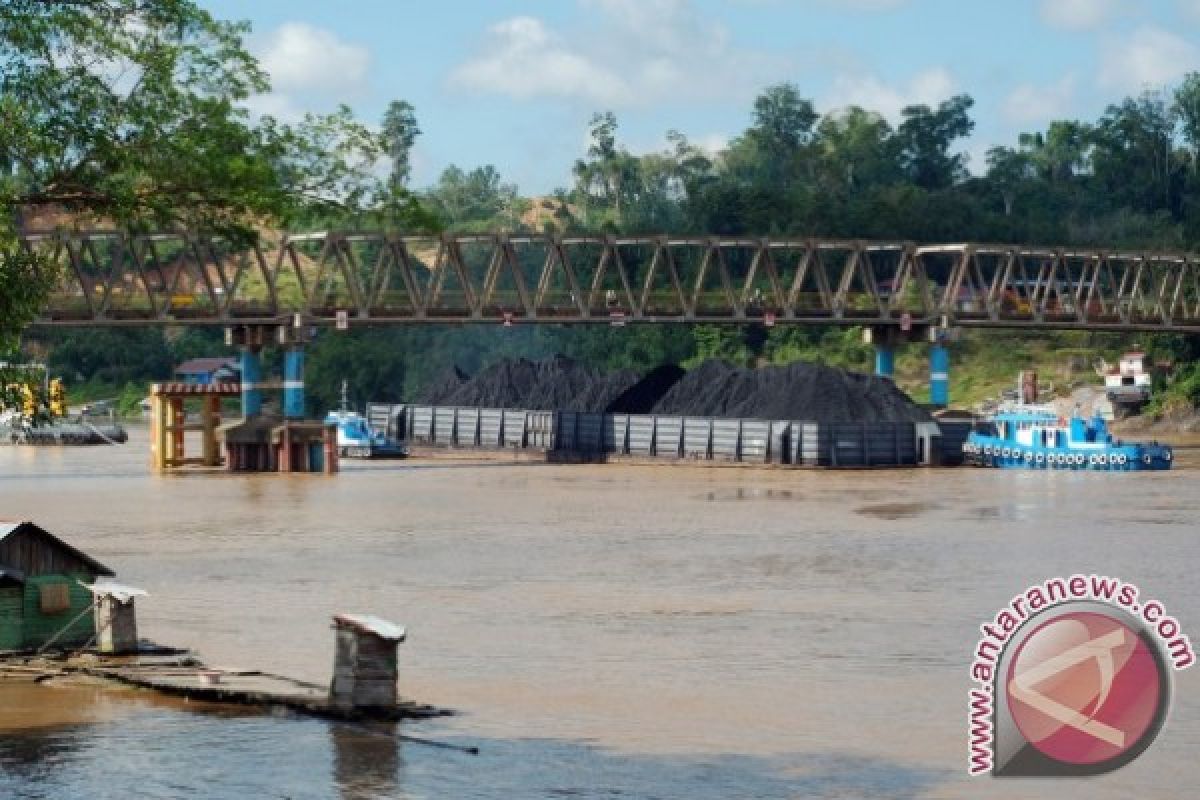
41,598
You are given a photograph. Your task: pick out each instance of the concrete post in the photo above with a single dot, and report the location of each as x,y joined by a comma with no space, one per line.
293,383
364,665
251,382
939,374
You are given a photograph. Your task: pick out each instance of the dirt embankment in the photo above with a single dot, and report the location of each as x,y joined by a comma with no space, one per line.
1177,422
799,391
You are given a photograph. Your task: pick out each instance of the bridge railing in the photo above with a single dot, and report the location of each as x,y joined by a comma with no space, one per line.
113,278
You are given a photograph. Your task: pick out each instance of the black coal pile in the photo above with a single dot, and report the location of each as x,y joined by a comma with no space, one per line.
557,384
444,385
643,396
799,391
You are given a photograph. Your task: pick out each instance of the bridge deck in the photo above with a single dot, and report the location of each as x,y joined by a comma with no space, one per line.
111,278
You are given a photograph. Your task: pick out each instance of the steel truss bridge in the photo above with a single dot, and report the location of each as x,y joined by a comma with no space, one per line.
111,278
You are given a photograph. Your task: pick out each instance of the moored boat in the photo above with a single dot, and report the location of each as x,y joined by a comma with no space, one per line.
356,439
1034,437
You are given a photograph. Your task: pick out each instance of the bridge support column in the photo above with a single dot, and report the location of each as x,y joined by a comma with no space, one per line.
884,340
293,383
939,373
885,361
251,382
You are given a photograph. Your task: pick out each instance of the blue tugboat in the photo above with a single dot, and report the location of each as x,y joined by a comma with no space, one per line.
1031,437
356,438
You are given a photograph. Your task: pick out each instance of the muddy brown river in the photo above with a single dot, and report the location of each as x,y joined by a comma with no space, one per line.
603,631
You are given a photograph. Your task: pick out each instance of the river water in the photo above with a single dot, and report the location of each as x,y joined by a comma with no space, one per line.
604,631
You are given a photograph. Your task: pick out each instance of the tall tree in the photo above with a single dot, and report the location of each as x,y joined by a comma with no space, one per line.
1134,158
400,132
926,137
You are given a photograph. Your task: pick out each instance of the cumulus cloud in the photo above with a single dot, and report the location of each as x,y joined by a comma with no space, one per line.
307,65
1038,103
929,87
1148,59
1078,15
301,57
523,58
630,52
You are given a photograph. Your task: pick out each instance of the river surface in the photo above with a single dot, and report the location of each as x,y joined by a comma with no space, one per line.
604,631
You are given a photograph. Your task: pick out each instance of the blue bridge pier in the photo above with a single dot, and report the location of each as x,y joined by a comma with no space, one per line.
886,339
283,441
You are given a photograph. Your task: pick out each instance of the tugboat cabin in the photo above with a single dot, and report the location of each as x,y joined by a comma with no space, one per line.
42,598
1044,429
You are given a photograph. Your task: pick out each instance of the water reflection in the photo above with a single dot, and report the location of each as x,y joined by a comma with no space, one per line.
163,753
366,761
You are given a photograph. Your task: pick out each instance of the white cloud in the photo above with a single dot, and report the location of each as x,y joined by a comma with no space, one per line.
1190,7
1078,15
626,52
1032,103
1149,59
308,66
300,57
523,58
929,87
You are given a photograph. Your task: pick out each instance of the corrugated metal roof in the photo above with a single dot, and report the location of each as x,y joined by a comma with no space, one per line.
8,528
203,366
366,623
119,592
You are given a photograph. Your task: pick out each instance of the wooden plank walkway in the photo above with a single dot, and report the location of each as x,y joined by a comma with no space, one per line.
183,675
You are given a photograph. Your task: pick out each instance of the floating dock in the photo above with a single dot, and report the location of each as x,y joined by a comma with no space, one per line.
182,674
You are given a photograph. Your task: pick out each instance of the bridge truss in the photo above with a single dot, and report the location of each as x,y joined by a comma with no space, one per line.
111,278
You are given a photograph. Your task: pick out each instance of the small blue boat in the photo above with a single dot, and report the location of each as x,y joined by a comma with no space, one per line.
356,439
1031,437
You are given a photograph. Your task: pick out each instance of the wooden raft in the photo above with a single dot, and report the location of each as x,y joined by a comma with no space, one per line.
186,676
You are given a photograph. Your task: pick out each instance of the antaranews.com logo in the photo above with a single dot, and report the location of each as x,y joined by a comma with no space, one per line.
1072,678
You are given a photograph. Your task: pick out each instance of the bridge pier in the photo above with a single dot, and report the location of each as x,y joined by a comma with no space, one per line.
939,368
293,382
884,341
885,361
276,442
251,381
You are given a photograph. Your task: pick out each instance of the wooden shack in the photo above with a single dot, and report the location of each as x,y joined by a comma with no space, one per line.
364,665
42,598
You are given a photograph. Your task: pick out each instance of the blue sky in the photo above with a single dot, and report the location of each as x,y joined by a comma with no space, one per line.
513,83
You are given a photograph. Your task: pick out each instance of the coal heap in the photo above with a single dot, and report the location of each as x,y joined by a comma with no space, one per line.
799,391
557,384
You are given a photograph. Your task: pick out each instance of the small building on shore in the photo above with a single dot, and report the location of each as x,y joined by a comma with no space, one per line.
42,593
208,371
